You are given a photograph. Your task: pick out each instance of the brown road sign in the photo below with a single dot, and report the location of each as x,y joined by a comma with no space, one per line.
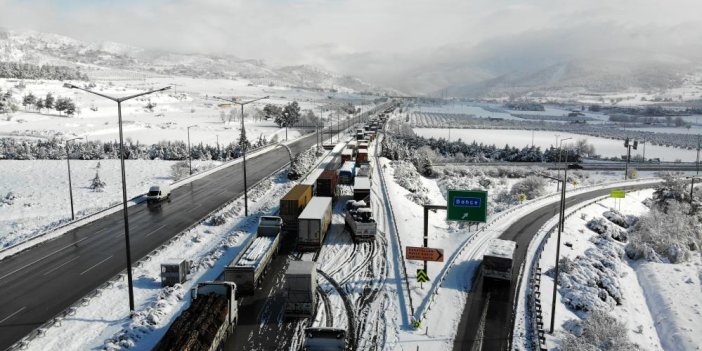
424,254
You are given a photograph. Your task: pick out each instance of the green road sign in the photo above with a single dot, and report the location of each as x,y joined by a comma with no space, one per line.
467,205
422,276
617,194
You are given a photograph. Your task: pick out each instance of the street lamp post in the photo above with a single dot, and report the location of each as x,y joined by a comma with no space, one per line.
560,153
70,185
628,144
243,145
190,157
124,181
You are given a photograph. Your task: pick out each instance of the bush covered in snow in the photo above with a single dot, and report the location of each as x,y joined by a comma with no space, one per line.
302,163
589,282
8,199
407,177
531,186
598,332
660,236
602,227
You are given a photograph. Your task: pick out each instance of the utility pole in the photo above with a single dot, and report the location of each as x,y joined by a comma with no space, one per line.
628,146
70,185
698,153
122,153
560,153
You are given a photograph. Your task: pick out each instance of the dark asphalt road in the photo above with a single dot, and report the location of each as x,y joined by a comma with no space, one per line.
486,322
39,283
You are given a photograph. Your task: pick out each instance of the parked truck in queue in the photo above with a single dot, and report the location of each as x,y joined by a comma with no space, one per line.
300,290
249,267
207,322
292,204
314,222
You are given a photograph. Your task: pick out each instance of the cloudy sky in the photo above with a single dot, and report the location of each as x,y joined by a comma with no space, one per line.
411,45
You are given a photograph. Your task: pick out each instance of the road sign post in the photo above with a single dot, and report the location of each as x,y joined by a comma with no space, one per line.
467,205
426,226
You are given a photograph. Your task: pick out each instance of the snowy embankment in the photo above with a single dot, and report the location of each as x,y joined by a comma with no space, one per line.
600,287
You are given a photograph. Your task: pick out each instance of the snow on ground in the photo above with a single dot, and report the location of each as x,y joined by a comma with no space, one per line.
644,296
42,197
545,139
210,247
190,102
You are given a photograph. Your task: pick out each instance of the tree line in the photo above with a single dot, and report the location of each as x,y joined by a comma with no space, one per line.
15,70
55,149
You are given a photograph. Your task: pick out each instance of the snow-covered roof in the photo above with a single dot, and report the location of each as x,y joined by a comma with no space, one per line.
501,248
316,207
361,183
348,166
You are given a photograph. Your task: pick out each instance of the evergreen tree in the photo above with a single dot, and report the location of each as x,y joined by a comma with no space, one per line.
39,104
96,184
29,100
49,101
291,114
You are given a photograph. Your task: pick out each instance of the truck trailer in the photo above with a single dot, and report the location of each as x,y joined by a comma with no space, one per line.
326,183
361,188
247,269
498,259
292,204
208,321
300,290
346,172
314,222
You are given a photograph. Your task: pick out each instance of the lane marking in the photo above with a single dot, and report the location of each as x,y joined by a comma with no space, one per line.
95,265
37,260
12,315
61,265
155,230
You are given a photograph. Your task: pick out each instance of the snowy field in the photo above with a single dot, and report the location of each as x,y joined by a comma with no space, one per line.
493,110
644,296
190,102
544,139
40,189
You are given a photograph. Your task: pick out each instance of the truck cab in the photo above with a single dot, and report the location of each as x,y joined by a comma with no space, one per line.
498,259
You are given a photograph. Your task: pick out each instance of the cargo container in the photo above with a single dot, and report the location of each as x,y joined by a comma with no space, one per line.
362,157
300,289
207,322
292,204
364,170
247,269
311,180
326,183
361,188
347,155
313,223
497,260
346,173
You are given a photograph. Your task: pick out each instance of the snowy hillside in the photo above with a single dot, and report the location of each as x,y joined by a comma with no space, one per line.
46,48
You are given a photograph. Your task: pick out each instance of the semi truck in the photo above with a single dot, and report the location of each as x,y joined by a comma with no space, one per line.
300,290
359,219
314,222
346,172
247,269
292,204
361,188
326,183
498,259
207,322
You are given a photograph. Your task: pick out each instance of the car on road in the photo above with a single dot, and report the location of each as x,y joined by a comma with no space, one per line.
158,193
574,166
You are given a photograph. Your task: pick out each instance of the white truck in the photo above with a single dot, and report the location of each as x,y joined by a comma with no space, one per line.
314,222
359,219
498,259
300,290
210,319
158,193
324,339
247,269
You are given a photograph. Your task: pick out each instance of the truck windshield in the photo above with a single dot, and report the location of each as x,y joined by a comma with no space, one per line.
154,193
497,263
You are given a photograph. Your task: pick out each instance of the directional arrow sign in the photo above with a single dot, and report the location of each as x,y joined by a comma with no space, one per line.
422,276
424,254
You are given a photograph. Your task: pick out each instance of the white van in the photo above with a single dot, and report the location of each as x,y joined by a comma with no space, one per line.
158,193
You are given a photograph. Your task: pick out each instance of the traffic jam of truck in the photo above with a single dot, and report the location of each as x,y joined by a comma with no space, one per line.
302,222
